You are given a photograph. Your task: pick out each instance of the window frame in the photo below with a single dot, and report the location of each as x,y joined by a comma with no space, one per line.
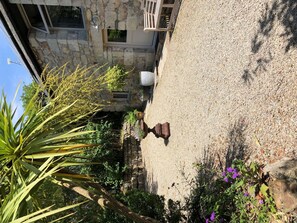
128,42
113,43
49,27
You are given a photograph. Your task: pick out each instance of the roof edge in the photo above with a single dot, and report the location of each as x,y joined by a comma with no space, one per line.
23,49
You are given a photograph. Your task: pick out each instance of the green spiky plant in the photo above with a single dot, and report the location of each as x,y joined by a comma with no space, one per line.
13,204
25,148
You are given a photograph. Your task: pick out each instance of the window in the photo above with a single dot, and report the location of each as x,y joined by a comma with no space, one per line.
132,38
34,16
44,17
65,16
118,36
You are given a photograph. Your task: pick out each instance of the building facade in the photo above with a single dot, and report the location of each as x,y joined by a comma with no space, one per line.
87,32
84,32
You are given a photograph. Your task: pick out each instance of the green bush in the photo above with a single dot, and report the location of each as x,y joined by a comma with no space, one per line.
108,166
174,212
113,175
110,171
133,118
145,203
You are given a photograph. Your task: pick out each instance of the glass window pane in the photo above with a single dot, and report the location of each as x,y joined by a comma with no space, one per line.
116,35
65,16
34,16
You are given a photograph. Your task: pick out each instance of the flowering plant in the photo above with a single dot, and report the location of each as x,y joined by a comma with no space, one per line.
238,194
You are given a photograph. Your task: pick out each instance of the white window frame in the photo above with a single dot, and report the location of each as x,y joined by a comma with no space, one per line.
128,42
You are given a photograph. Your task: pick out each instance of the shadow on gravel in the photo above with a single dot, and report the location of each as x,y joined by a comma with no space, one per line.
203,188
150,184
280,11
237,148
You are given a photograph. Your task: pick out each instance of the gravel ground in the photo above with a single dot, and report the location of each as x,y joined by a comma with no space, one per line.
228,83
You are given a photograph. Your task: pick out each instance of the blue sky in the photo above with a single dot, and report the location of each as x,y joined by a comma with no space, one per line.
11,75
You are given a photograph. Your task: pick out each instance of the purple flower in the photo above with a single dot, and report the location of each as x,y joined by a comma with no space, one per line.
207,220
230,169
226,179
261,201
212,216
224,174
246,194
235,175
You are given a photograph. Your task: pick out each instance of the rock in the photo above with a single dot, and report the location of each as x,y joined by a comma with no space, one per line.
122,13
117,3
285,195
284,183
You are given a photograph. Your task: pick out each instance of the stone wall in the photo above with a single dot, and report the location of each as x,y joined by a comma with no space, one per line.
141,59
134,177
60,47
87,47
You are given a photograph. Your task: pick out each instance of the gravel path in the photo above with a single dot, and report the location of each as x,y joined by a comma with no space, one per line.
229,82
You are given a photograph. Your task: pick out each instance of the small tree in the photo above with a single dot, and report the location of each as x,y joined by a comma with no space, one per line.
85,88
29,92
90,88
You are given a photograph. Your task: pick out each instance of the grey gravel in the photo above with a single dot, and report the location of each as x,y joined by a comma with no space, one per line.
229,76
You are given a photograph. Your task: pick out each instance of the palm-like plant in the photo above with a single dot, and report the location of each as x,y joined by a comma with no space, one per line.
25,144
13,204
36,147
25,147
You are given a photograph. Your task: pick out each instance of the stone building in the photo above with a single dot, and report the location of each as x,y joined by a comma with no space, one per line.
82,32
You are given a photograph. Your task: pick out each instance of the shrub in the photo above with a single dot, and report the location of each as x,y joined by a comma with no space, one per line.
145,203
80,88
115,78
107,167
141,202
131,117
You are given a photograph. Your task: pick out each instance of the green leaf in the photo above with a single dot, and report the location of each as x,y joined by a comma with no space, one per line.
264,189
253,167
239,184
37,215
252,190
52,154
